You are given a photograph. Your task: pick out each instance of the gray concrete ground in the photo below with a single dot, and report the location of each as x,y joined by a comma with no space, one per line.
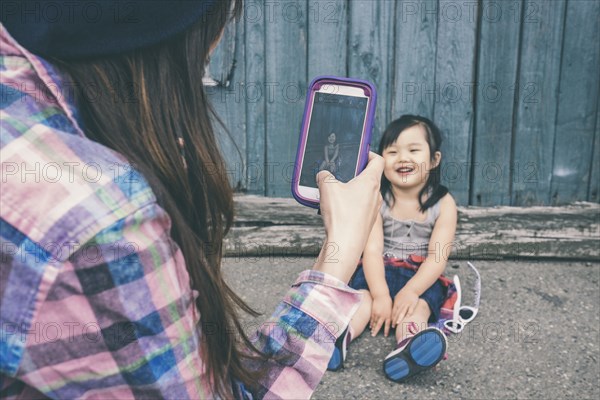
536,335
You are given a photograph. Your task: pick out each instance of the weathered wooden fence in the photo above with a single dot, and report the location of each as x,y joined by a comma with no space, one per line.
514,85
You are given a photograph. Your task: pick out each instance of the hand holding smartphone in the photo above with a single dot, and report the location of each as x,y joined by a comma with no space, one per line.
348,211
335,135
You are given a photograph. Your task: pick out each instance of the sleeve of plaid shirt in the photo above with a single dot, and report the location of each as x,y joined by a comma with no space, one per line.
118,321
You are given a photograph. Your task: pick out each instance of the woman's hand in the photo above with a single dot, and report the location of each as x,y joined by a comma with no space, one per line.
348,211
381,314
404,305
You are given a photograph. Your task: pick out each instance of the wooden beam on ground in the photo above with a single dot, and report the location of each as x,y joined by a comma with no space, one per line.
270,227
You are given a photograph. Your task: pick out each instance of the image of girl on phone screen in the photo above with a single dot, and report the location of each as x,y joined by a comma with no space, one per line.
332,155
417,219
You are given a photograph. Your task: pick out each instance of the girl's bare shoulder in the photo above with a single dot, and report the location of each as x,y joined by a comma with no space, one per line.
448,204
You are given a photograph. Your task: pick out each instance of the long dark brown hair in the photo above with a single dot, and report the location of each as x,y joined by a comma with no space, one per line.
144,102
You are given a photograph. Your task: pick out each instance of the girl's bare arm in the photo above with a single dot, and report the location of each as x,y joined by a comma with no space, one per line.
440,246
373,261
336,153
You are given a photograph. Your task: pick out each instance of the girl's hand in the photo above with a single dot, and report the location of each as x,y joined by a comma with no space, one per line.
381,313
404,305
348,211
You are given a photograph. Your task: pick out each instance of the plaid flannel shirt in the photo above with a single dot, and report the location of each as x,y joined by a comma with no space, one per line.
95,297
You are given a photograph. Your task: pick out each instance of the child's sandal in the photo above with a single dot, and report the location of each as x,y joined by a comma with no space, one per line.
415,354
339,352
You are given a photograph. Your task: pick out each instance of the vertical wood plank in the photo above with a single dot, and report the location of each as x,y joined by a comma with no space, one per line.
539,77
454,75
227,103
594,186
255,95
327,29
577,103
285,90
495,96
414,78
371,54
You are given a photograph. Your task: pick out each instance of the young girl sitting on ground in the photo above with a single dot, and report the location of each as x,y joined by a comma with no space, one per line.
332,154
417,221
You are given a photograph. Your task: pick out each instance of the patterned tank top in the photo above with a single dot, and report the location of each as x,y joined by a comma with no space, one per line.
401,238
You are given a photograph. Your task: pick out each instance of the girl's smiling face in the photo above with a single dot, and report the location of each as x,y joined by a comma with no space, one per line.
408,160
331,138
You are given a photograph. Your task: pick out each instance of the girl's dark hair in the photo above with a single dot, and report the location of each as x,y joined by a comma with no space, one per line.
432,187
144,102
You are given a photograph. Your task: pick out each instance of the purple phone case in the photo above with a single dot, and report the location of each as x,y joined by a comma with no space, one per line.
363,156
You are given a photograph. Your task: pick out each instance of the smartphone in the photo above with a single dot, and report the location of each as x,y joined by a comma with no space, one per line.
335,135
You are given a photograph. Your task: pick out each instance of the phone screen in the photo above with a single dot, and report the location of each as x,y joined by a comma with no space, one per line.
334,137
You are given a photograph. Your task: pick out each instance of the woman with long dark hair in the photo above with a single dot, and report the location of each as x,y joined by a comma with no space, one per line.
113,218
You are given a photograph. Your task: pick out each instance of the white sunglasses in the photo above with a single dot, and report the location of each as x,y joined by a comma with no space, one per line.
462,315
